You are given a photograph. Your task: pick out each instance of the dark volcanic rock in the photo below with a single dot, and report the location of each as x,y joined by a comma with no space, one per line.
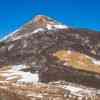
55,72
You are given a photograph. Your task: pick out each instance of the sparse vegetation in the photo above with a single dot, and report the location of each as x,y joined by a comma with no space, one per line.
77,60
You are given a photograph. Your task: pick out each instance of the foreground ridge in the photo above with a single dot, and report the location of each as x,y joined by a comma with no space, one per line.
54,91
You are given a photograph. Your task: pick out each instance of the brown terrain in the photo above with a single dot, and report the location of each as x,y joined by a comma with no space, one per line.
65,62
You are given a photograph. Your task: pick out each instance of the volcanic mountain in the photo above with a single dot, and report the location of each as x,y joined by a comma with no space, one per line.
21,45
43,34
55,51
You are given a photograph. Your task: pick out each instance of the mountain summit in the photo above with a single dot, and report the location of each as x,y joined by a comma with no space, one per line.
39,23
48,23
43,34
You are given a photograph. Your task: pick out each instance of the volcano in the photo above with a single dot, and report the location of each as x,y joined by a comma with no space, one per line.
52,52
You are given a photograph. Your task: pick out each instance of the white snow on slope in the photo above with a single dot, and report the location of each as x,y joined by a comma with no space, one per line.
23,77
50,25
28,77
96,61
15,73
56,26
38,30
78,91
17,67
29,34
59,26
10,47
10,34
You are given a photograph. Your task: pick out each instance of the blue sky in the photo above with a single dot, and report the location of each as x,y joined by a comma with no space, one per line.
75,13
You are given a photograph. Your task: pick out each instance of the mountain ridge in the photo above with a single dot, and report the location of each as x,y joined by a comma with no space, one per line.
40,21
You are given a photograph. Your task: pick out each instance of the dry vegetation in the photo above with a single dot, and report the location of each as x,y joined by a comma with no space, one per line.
77,60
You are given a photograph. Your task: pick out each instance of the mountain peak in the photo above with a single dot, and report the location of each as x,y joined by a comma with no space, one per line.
48,23
37,24
40,18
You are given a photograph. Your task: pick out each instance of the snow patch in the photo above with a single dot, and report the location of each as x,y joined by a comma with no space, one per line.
19,76
10,34
96,61
77,90
17,67
25,43
23,77
59,26
49,27
28,77
56,26
11,78
16,38
38,30
10,47
26,35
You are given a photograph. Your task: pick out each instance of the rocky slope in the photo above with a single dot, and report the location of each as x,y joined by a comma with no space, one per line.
51,91
44,50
